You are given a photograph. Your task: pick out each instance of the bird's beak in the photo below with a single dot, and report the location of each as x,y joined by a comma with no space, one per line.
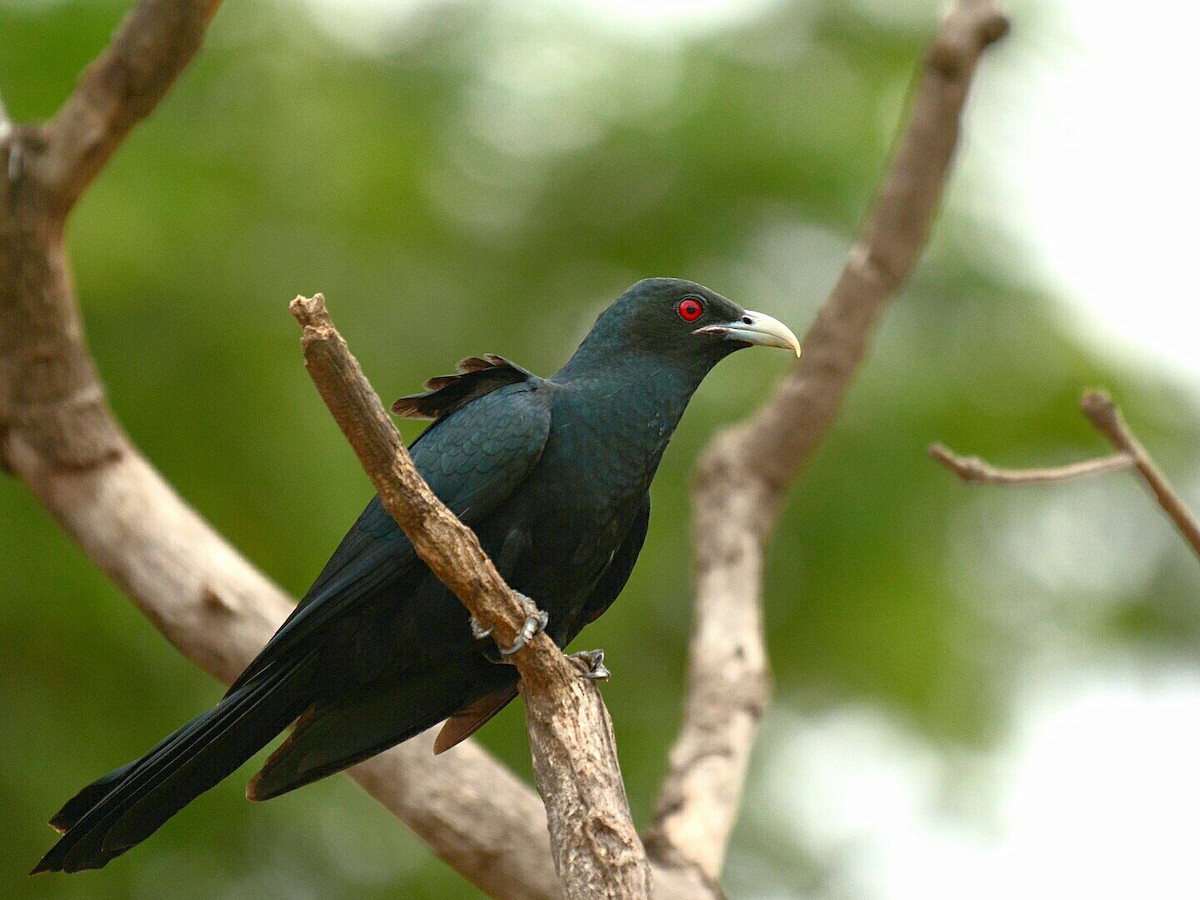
756,328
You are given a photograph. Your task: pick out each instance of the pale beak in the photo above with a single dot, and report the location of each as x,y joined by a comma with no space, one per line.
756,328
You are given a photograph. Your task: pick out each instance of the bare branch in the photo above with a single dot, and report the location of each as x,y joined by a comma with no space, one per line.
741,481
974,470
447,546
1106,416
153,44
597,851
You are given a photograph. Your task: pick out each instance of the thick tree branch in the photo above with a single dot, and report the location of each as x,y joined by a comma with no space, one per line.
597,851
973,470
1106,416
153,44
743,477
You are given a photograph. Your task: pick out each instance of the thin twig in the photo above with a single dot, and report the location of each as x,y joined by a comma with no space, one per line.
741,481
597,850
1106,417
973,470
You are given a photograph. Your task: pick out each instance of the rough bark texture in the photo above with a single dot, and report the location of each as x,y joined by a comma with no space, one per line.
743,477
597,851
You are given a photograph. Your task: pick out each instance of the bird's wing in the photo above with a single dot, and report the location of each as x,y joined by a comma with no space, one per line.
470,719
612,582
473,459
477,375
309,754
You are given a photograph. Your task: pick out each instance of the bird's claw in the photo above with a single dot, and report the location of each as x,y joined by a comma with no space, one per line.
536,621
591,665
478,631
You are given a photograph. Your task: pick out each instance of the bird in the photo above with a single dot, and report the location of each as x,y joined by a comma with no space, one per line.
553,475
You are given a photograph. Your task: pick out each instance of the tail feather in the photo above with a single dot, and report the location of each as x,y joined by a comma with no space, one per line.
470,719
126,806
253,729
330,738
75,808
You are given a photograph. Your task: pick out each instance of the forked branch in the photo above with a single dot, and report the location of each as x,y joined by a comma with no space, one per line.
1106,416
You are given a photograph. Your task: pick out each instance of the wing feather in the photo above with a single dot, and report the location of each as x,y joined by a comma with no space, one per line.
473,460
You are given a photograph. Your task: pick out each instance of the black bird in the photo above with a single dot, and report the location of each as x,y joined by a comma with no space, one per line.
552,474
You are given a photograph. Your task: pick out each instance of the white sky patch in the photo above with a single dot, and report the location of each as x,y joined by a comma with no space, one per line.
1091,144
1094,795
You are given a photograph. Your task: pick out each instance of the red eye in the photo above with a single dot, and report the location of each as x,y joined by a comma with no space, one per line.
690,309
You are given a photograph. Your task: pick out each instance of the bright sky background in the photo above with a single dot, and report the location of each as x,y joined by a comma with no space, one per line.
1087,126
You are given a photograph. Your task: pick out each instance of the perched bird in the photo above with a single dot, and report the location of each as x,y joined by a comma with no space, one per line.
553,475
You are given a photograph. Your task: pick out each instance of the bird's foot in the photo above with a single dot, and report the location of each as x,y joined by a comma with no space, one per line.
536,620
478,631
591,665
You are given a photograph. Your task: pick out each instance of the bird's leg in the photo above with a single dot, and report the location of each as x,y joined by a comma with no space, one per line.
535,620
591,665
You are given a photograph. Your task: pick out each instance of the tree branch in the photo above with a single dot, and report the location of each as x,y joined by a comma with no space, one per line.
597,851
1106,417
153,44
743,476
973,470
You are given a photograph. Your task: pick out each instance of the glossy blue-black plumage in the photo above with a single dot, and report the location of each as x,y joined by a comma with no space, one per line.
552,474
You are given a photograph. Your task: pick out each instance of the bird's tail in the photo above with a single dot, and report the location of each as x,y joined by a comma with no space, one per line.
126,806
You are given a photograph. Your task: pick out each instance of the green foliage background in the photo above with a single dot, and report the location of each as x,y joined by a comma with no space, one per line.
486,178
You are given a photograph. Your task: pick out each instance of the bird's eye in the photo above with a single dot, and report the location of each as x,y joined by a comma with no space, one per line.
690,309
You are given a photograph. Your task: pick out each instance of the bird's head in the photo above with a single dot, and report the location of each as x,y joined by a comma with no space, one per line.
682,322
